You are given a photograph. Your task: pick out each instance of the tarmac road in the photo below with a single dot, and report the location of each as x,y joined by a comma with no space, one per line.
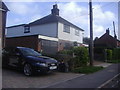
91,80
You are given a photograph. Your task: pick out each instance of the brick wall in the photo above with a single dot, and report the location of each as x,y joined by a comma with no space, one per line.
26,41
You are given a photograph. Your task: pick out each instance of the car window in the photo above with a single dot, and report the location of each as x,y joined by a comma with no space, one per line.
10,51
29,52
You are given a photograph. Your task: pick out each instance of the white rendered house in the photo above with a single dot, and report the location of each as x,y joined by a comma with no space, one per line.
52,32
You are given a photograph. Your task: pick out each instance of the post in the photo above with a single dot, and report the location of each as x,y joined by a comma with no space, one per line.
91,34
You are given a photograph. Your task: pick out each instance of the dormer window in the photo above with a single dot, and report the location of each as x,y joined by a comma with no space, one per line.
66,28
26,29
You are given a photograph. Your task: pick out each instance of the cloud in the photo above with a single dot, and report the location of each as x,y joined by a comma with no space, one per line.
18,8
78,15
71,11
74,13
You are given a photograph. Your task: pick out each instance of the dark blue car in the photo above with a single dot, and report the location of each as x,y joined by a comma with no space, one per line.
27,59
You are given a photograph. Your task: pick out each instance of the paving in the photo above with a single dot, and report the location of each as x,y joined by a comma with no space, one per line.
15,79
103,64
91,80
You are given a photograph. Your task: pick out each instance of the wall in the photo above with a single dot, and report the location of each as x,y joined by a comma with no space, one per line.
69,36
15,31
45,29
26,41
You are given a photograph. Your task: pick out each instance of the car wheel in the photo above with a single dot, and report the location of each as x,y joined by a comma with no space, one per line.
27,70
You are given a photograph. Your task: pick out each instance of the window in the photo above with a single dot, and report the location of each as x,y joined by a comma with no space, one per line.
26,29
77,32
66,28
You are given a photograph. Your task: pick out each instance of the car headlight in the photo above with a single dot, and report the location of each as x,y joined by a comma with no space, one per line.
42,64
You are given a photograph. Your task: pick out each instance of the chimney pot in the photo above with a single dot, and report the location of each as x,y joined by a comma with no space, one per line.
55,10
107,31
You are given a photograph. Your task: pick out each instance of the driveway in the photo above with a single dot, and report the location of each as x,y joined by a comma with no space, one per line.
15,79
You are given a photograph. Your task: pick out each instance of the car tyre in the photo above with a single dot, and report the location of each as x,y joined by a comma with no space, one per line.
27,69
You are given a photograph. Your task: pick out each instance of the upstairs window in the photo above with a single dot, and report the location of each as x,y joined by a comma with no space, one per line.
77,32
26,29
66,28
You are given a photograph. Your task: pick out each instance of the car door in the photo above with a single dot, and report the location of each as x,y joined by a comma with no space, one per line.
14,58
5,57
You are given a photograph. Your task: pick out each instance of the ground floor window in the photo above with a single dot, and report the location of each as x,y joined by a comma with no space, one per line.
49,47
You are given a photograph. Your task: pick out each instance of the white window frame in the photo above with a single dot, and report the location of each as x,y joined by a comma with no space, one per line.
77,32
66,28
26,29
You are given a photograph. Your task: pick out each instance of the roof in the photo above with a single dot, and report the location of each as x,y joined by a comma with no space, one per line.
3,7
16,25
51,19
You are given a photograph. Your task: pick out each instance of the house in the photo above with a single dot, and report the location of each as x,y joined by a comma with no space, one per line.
3,14
107,41
50,34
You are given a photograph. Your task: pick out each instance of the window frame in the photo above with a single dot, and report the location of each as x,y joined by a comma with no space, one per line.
66,28
27,29
77,32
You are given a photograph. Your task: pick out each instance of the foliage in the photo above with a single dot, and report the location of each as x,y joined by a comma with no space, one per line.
75,57
114,61
81,56
116,54
87,69
109,54
66,52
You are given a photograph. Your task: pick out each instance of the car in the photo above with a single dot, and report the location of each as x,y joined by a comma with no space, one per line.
28,60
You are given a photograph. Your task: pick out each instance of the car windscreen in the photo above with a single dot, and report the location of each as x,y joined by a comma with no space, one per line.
29,52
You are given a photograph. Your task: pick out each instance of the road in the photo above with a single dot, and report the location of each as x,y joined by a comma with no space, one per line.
94,80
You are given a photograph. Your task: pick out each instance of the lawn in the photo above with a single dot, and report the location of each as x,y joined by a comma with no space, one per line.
88,69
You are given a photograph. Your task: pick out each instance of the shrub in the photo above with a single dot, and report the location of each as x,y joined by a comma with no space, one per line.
76,57
109,54
116,53
81,56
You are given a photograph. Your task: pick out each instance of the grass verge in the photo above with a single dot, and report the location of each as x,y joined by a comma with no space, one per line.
114,61
88,69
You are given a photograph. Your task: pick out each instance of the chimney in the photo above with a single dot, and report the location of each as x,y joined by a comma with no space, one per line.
107,31
55,10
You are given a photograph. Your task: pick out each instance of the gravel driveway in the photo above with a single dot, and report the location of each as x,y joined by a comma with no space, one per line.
15,79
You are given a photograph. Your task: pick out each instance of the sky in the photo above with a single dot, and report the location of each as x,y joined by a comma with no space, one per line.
104,13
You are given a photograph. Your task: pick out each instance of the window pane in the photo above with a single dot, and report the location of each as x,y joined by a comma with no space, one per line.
77,32
26,29
66,28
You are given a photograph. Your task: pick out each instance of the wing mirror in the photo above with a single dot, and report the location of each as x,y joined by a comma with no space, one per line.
17,54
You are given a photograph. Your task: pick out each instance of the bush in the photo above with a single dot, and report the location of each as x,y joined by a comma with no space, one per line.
109,54
116,54
81,56
75,57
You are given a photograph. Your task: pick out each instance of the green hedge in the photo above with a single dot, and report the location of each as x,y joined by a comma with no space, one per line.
76,57
109,54
116,54
81,56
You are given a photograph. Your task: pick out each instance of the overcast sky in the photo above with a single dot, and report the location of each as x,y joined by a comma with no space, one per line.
104,13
